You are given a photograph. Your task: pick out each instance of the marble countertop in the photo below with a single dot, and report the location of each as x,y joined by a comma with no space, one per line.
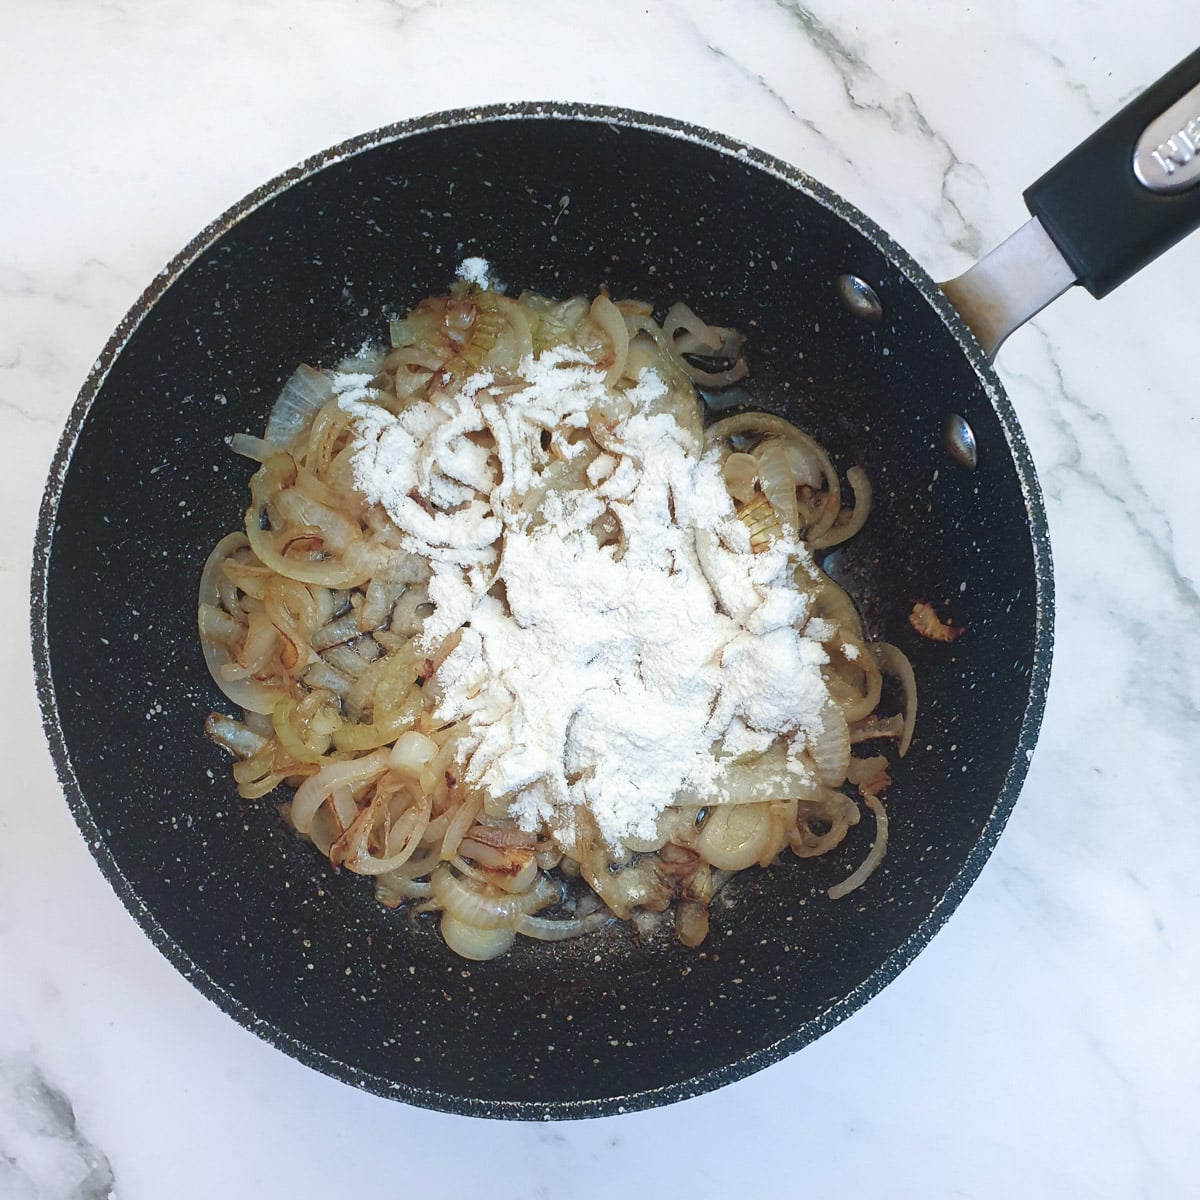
1044,1044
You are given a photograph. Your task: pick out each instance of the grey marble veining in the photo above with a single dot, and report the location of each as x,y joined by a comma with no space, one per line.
44,1155
1043,1045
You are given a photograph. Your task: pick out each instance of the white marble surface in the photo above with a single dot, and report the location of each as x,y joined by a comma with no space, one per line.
1044,1044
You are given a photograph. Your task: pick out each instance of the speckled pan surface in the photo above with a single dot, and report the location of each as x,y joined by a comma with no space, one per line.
560,199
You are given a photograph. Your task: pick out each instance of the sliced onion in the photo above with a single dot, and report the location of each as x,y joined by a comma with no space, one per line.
382,686
833,603
412,753
313,792
862,769
894,662
293,739
333,818
857,478
777,482
874,855
234,736
260,723
606,314
753,425
395,887
804,465
691,922
368,361
643,349
761,424
321,452
258,449
499,856
827,505
735,838
487,908
515,877
337,632
382,731
697,335
472,942
464,817
382,594
552,322
259,774
335,498
352,850
269,484
829,745
672,825
636,886
515,342
298,508
303,396
473,323
716,379
344,805
321,675
749,783
349,662
213,625
262,641
217,624
684,333
546,929
866,699
228,545
877,727
837,811
741,474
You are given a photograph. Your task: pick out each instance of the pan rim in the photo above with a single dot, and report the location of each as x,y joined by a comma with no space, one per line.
713,1078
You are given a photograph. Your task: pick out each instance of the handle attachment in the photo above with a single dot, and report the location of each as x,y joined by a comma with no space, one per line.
1132,190
1009,285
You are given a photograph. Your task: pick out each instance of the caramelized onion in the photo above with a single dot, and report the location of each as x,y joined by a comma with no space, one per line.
231,735
736,838
215,629
833,813
314,791
691,922
312,620
486,907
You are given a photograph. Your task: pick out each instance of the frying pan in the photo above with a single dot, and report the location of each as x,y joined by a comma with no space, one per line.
848,337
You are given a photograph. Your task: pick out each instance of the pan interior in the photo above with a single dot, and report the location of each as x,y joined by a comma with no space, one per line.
254,916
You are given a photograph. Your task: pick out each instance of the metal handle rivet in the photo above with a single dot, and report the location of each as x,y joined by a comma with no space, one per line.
859,297
959,440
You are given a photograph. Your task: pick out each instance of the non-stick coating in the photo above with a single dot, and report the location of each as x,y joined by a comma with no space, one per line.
309,269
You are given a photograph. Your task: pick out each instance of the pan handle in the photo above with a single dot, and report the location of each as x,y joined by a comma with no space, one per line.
1115,203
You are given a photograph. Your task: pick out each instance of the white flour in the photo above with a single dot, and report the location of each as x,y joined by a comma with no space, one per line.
477,271
599,679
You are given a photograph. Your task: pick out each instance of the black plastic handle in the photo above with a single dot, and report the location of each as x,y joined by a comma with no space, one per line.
1107,223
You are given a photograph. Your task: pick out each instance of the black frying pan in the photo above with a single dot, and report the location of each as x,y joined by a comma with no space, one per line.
307,269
